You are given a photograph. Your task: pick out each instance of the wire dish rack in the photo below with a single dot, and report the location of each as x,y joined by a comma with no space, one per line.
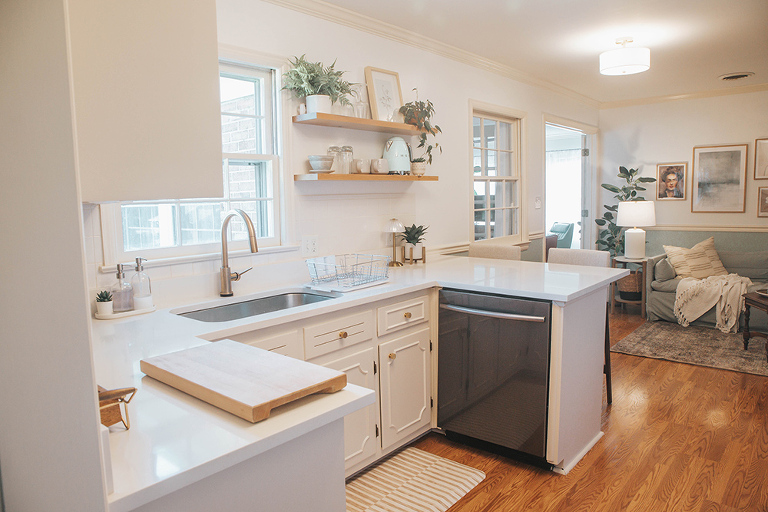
347,271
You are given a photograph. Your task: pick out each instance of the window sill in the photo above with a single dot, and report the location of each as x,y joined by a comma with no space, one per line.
196,258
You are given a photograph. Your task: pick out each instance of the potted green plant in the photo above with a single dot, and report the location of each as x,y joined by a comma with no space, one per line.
104,302
413,236
611,238
419,114
320,85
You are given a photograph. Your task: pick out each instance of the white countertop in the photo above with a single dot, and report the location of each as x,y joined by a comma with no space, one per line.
176,439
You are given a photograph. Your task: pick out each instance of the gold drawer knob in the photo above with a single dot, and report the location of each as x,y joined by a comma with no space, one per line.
407,315
343,334
393,356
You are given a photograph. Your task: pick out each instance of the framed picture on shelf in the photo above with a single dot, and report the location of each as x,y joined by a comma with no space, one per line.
384,93
670,179
761,159
719,179
762,202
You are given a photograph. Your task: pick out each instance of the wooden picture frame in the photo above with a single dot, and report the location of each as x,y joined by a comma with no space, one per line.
762,202
384,93
719,179
761,159
671,180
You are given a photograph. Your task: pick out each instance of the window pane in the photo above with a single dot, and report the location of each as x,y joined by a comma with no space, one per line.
510,221
477,161
493,228
490,162
242,134
476,132
238,96
201,223
510,193
489,133
480,195
505,135
505,164
148,226
480,217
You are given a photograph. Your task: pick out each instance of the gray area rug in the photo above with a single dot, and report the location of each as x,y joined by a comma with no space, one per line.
701,346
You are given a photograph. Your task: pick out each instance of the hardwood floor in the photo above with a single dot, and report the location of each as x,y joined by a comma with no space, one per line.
677,438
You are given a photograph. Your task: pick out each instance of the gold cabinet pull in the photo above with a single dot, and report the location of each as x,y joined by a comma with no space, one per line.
393,356
343,334
407,315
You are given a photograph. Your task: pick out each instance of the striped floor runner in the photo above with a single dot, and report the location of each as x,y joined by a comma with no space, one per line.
411,481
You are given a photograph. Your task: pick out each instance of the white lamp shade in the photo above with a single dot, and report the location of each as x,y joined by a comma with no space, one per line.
625,61
394,226
636,213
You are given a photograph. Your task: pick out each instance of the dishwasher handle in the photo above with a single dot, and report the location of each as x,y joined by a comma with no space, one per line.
493,314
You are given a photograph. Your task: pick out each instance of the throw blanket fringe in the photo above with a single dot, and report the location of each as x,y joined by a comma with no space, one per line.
694,297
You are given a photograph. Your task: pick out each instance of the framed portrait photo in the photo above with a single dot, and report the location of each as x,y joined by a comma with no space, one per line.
762,202
384,93
670,181
761,159
719,179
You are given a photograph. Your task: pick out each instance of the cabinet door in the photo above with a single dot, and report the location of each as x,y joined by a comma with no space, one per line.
360,426
146,96
404,383
286,343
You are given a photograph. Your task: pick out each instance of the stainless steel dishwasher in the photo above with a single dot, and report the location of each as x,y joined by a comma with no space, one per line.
493,372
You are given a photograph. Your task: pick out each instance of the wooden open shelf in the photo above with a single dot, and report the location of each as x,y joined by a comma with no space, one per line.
356,123
361,177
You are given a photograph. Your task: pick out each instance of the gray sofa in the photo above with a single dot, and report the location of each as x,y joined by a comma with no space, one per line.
661,284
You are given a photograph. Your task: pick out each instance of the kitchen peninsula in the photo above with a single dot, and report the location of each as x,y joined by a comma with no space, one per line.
182,450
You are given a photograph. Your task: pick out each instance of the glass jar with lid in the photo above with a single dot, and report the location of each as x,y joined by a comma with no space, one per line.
345,160
335,152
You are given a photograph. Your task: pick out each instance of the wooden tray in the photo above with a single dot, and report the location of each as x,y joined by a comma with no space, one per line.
246,381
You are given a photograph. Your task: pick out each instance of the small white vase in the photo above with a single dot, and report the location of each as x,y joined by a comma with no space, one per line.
318,103
418,168
104,308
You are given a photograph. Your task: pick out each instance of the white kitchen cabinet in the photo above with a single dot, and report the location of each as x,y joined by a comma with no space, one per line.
405,386
360,428
147,111
288,343
338,333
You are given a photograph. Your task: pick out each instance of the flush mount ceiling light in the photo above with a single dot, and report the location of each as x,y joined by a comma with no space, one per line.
736,76
626,60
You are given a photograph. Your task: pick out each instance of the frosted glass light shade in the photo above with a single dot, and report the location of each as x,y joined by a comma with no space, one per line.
625,61
636,213
394,226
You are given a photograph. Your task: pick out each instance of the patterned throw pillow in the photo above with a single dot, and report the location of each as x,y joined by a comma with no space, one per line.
700,261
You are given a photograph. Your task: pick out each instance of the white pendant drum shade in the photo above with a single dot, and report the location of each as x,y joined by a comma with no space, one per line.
625,60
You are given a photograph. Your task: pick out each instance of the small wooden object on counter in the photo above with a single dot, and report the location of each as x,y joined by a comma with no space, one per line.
240,379
408,254
109,406
754,300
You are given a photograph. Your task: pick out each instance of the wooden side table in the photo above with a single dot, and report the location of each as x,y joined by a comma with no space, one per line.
754,300
623,261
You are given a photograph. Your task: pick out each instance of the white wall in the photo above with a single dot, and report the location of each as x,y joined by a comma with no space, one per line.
646,135
49,447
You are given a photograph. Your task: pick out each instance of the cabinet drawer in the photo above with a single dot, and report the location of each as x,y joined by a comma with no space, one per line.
285,343
402,315
339,333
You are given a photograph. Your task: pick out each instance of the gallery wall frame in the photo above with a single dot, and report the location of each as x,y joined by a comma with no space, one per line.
762,202
761,159
719,179
671,181
384,93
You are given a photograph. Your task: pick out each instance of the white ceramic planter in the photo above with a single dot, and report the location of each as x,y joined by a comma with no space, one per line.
418,168
318,103
104,308
418,252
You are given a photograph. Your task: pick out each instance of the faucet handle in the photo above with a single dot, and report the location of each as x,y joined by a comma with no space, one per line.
237,275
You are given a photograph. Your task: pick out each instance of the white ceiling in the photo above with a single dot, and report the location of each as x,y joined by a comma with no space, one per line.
692,42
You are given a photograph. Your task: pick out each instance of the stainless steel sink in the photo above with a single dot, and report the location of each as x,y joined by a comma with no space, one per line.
257,306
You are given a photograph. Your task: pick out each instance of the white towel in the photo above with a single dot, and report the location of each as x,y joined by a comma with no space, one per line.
694,297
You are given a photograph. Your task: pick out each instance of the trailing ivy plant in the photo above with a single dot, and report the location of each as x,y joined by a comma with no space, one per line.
611,238
308,78
419,114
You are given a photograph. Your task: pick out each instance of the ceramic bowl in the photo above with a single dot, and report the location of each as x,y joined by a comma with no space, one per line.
320,162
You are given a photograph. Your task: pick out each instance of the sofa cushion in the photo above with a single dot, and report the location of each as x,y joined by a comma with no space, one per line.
664,270
700,261
753,265
669,285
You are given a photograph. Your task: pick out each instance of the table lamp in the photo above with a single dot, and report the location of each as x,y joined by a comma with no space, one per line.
394,226
635,213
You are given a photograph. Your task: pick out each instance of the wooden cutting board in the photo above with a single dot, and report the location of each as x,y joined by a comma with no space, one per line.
243,380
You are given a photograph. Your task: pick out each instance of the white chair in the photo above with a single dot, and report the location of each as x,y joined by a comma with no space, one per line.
494,249
589,258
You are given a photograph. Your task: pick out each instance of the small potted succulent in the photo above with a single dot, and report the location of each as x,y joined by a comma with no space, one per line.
419,114
104,302
413,236
320,85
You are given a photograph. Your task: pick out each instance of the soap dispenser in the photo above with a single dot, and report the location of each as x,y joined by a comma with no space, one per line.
142,288
122,292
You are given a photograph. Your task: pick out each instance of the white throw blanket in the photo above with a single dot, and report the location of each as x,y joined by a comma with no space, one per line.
694,297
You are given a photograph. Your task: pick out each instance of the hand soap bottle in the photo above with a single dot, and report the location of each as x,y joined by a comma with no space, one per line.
142,288
122,292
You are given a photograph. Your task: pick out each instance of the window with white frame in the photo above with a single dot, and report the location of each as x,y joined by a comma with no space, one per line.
496,176
250,173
